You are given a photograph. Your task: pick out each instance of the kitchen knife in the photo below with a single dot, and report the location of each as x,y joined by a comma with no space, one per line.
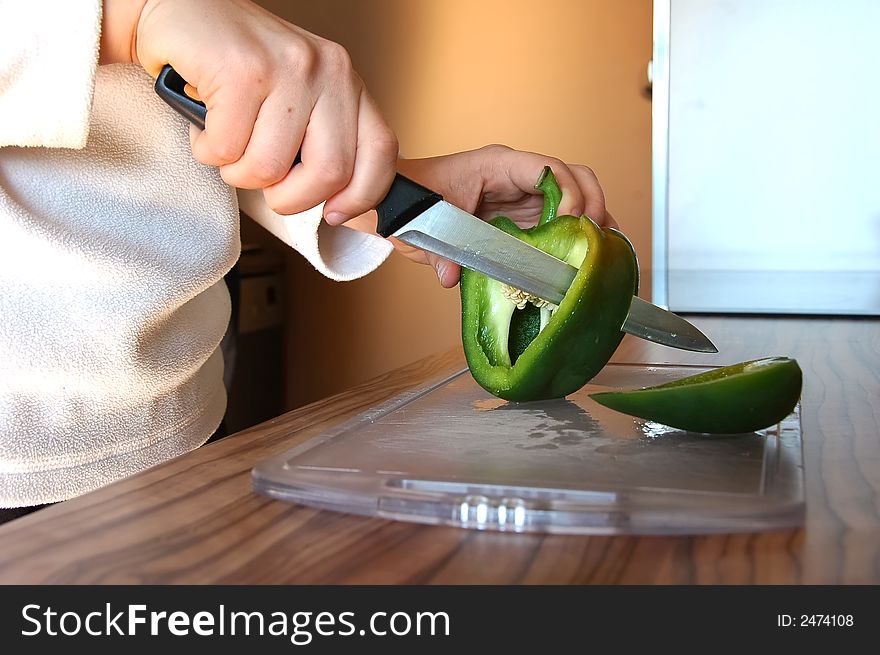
421,218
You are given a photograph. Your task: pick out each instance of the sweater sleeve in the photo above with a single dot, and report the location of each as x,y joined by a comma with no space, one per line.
48,58
338,252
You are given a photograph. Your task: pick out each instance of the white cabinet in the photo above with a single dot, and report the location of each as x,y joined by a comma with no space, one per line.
766,147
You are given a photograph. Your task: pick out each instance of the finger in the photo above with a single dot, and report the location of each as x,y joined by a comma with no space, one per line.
524,168
408,251
610,221
374,166
228,126
328,155
448,273
273,145
573,200
594,205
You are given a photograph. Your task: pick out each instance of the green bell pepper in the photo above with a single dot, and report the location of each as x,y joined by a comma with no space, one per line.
744,397
521,348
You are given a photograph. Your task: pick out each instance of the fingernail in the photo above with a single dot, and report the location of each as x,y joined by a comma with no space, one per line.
441,270
335,218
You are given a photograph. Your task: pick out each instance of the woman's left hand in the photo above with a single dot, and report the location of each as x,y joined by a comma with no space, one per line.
498,180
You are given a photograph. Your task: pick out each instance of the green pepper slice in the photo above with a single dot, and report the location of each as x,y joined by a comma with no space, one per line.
734,399
520,348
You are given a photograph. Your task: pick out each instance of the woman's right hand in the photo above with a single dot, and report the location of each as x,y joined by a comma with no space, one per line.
271,90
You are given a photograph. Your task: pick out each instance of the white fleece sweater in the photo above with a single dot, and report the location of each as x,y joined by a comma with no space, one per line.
113,245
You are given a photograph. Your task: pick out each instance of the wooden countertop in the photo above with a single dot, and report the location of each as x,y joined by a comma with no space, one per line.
196,520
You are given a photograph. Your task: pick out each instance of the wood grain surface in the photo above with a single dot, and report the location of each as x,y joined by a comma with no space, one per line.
196,519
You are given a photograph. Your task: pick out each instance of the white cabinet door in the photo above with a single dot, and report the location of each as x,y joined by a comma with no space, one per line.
766,149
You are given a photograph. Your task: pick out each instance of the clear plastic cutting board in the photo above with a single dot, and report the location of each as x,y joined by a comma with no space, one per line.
450,453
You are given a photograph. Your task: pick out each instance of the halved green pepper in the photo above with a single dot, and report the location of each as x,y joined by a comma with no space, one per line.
520,348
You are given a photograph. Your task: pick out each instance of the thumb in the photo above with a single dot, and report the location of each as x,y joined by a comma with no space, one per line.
448,273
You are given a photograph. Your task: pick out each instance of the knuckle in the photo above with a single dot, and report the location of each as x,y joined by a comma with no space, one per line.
336,58
278,203
268,170
385,144
277,207
221,152
491,159
586,169
333,173
496,150
558,166
231,178
358,201
300,58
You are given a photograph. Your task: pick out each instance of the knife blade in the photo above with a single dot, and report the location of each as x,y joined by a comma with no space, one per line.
420,217
450,232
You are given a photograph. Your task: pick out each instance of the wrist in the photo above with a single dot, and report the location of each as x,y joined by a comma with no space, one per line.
119,21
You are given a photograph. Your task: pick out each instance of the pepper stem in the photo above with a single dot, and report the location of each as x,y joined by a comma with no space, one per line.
548,185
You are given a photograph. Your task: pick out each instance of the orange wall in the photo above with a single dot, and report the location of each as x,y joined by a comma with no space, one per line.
562,77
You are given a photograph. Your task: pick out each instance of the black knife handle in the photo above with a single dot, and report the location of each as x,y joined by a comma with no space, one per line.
405,199
170,87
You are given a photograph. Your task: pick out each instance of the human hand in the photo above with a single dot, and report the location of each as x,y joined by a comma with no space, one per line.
271,89
498,180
